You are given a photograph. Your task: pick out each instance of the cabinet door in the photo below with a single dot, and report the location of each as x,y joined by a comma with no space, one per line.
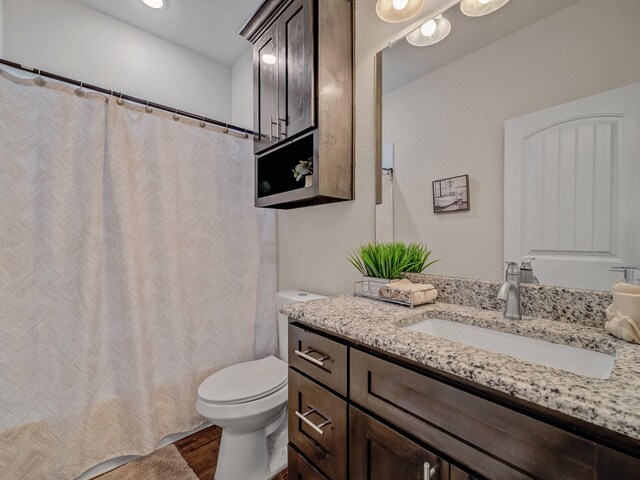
266,61
380,453
297,94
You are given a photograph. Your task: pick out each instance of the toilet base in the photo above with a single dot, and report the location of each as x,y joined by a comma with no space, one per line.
255,455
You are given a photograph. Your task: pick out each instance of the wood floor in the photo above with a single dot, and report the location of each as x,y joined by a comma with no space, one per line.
200,451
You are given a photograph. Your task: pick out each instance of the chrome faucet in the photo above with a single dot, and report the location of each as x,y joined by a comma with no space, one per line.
510,292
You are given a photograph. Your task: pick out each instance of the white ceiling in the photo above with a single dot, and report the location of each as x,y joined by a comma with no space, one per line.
209,27
403,63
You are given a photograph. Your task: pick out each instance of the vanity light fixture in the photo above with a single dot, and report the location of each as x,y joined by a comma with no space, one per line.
154,3
430,33
394,11
478,8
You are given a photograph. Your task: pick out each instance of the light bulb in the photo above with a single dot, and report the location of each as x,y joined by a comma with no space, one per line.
269,59
399,4
154,3
483,2
428,28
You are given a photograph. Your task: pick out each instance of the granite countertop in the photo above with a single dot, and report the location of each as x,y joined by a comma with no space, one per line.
613,403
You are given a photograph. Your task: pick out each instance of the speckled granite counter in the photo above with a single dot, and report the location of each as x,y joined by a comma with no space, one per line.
613,403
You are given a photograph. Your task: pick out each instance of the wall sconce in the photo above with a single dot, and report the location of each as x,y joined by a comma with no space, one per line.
430,33
394,11
478,8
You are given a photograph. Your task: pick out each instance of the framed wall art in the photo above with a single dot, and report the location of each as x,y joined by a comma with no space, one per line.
451,194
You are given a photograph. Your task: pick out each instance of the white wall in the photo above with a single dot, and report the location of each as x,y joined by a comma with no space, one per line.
73,40
458,114
242,91
313,242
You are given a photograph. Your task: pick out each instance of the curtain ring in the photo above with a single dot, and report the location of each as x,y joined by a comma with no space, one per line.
39,81
120,100
202,123
246,135
79,91
226,129
175,116
148,109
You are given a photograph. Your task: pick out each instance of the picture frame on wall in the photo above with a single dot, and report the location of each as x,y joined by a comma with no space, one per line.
451,194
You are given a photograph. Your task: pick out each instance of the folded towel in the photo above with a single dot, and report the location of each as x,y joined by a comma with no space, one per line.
622,326
407,292
622,287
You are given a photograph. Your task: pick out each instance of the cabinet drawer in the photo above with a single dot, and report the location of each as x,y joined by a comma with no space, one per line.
428,408
300,469
380,453
319,357
318,425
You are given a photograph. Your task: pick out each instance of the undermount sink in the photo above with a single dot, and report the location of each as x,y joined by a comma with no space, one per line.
583,362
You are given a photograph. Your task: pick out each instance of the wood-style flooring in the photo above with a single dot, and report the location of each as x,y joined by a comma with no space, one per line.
200,451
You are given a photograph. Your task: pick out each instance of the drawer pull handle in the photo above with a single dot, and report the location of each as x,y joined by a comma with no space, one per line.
317,428
428,472
305,355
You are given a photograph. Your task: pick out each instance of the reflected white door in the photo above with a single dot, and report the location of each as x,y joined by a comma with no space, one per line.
572,189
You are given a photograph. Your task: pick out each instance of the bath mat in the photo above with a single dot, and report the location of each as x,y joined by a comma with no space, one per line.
164,464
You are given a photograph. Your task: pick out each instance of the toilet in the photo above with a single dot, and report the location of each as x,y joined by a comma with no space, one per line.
249,402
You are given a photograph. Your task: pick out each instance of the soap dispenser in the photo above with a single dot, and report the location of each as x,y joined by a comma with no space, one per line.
623,315
526,271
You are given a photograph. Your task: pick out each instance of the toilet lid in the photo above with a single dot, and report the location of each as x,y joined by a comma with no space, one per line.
244,382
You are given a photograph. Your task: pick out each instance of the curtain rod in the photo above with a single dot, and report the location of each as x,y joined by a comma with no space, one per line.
128,98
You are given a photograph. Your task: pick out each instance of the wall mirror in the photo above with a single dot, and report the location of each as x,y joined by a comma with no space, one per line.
539,104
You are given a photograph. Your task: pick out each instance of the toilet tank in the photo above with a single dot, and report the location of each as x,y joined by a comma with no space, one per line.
288,297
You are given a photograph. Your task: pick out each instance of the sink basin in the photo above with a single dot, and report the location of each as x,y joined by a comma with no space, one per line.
584,362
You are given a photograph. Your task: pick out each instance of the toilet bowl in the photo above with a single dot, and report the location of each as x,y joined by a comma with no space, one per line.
249,402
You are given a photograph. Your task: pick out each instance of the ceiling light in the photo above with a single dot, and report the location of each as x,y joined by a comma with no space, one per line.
477,8
429,28
430,33
394,11
154,3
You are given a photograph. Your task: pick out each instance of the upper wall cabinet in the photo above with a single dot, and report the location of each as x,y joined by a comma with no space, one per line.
303,101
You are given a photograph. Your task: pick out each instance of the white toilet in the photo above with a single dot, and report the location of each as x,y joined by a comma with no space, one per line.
249,401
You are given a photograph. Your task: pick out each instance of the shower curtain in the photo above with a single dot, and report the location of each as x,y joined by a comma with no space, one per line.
132,265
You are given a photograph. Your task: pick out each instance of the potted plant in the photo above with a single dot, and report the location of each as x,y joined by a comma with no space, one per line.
384,262
304,169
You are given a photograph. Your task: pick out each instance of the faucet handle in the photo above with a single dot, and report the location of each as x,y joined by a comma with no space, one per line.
512,267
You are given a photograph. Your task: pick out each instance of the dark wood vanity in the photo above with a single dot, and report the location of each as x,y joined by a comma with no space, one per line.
360,413
303,96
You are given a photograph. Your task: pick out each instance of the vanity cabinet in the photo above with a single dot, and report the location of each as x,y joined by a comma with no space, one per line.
303,101
359,410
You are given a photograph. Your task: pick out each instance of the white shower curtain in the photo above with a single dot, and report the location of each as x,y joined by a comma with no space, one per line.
132,265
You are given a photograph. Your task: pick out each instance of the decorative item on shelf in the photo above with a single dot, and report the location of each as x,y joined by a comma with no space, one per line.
623,315
430,33
304,169
381,263
394,11
451,194
478,8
